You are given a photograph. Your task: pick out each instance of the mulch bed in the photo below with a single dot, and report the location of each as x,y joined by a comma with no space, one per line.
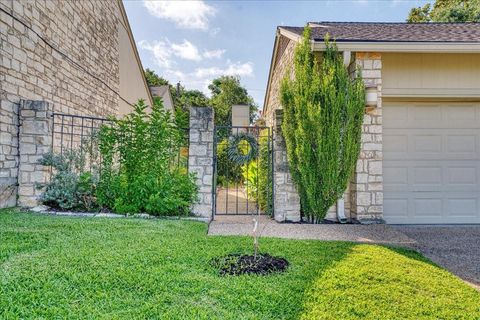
236,264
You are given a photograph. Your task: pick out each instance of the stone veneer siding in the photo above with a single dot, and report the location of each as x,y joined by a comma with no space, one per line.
367,182
87,34
200,158
286,200
364,195
284,63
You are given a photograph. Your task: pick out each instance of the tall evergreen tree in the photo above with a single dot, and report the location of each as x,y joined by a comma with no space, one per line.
323,115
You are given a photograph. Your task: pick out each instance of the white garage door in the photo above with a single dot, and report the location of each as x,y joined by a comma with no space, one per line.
431,162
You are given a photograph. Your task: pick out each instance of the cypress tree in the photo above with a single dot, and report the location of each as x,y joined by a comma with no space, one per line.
323,115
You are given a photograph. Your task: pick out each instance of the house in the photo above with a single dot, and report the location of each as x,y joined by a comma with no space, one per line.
164,93
420,149
69,57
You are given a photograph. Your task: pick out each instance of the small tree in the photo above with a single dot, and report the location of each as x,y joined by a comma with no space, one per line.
323,114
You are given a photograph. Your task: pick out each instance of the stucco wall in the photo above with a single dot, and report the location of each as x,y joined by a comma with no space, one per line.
132,84
431,74
83,78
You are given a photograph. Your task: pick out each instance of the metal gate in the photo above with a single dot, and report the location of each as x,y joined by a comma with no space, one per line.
243,171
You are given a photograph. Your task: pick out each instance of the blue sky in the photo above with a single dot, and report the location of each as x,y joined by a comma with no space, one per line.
196,41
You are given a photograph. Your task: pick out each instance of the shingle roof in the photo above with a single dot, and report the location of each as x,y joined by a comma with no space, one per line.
393,32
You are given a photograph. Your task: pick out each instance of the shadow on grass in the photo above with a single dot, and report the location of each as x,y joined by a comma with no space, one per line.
372,282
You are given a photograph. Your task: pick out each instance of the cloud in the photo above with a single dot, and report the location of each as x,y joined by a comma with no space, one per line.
231,69
161,52
165,51
185,14
214,53
186,50
200,78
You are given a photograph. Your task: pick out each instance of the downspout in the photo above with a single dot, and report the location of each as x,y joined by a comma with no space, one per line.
347,58
341,210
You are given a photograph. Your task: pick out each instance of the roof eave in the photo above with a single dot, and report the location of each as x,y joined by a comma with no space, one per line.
432,47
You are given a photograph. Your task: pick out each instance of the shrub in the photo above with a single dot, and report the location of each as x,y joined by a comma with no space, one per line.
71,187
257,175
227,170
323,114
139,168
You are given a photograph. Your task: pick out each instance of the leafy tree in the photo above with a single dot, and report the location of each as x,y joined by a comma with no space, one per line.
153,79
183,99
323,115
226,92
447,11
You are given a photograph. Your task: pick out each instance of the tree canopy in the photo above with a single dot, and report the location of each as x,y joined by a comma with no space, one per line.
226,92
446,11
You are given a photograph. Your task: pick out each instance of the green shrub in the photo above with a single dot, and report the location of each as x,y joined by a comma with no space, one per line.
257,175
71,187
323,114
227,170
139,168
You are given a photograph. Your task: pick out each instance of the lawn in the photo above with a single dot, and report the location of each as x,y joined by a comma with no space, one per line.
59,267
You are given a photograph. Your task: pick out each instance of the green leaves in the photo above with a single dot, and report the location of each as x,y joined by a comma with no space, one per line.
139,171
323,114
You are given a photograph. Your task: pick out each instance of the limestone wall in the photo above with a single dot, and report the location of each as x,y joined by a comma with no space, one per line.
81,77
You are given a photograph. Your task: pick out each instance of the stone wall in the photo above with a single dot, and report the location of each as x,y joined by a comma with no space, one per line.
367,183
34,135
286,200
200,158
81,78
283,63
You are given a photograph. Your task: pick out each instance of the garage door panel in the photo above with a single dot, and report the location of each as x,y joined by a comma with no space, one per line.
431,162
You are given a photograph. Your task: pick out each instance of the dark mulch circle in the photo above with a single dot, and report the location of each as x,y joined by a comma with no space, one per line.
236,264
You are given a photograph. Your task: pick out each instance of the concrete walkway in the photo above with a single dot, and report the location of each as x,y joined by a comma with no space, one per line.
243,225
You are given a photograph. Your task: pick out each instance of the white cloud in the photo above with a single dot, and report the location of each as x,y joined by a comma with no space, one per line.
161,52
200,78
186,50
231,69
185,14
214,53
165,51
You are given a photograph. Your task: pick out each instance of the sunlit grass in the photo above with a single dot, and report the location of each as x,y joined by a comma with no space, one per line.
58,267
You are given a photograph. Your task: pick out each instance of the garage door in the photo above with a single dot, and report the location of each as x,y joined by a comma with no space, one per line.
431,162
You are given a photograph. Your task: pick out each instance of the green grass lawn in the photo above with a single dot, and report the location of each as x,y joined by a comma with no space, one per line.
58,267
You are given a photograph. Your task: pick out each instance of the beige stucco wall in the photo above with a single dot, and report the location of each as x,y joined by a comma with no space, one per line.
132,84
431,74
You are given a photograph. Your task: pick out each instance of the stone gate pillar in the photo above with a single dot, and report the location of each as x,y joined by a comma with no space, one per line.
35,139
285,197
200,158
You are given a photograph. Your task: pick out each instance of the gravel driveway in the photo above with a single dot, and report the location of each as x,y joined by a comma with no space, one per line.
456,248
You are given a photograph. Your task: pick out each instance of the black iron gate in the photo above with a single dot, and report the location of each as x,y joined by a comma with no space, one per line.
243,171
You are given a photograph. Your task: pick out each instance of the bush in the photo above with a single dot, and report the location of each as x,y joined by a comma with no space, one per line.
139,172
257,175
323,114
227,170
72,187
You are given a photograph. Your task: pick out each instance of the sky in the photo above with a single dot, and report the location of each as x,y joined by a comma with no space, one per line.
196,41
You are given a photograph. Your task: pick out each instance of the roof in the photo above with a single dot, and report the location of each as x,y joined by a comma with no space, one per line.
392,32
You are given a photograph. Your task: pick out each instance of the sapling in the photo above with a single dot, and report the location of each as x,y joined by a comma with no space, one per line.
255,238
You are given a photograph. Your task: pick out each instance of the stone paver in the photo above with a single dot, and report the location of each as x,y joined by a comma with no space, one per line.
456,248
